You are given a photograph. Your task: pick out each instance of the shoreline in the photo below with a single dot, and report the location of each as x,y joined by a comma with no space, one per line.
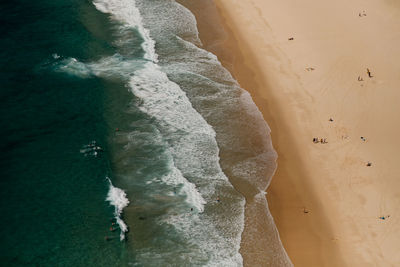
326,203
260,244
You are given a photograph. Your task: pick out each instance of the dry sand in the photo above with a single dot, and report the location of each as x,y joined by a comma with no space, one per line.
299,85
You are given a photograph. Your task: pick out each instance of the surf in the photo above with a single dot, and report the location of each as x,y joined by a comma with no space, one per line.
118,198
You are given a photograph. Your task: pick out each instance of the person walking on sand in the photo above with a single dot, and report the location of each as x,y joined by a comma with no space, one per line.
369,73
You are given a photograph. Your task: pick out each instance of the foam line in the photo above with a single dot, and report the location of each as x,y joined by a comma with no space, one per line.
126,12
117,198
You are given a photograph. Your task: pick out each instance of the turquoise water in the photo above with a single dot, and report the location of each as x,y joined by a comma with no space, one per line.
113,116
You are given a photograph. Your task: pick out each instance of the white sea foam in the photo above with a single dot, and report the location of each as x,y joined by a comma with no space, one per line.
193,197
126,12
113,67
73,67
169,18
117,198
166,101
195,153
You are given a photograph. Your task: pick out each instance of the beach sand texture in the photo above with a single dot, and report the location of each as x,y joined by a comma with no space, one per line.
305,62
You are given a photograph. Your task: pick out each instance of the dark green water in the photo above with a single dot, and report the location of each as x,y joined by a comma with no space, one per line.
52,197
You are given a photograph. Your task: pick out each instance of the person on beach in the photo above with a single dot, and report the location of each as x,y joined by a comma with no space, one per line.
360,79
369,73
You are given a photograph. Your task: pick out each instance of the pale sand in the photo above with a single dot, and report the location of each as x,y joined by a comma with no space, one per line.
344,197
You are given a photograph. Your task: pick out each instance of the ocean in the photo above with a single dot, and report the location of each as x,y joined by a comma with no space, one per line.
124,143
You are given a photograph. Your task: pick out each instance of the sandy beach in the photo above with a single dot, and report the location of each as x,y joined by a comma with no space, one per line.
335,203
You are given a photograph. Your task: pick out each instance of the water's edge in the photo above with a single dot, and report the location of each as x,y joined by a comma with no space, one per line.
260,242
